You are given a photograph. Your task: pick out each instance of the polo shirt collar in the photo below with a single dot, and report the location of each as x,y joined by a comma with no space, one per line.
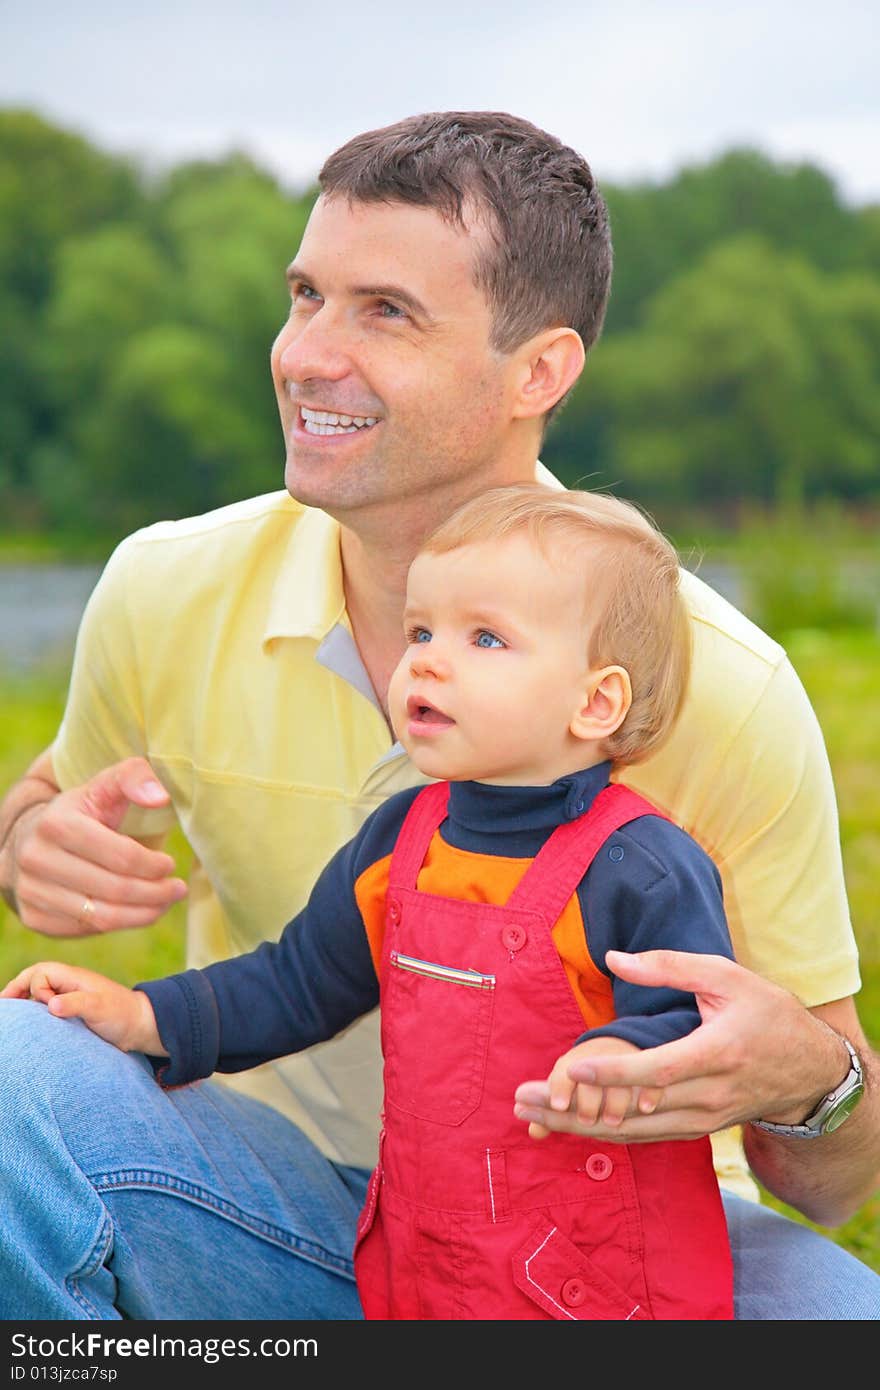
308,597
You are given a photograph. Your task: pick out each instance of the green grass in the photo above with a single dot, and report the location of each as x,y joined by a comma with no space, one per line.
30,711
841,671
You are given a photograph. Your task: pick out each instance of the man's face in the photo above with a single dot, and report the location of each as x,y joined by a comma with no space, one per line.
495,666
386,383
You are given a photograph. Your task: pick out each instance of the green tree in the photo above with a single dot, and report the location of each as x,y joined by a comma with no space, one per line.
157,347
170,438
231,231
53,185
112,285
661,229
752,375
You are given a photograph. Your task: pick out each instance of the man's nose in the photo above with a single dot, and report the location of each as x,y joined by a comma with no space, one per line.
319,349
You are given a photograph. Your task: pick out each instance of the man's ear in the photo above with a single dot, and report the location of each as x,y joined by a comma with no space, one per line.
551,363
604,706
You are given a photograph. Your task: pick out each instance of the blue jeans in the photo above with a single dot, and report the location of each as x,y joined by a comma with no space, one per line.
120,1200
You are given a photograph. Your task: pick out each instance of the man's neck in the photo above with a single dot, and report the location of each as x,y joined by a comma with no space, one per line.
375,589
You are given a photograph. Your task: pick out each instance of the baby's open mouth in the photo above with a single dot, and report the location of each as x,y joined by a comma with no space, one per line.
426,714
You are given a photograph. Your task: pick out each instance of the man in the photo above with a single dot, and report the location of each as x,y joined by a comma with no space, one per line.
452,275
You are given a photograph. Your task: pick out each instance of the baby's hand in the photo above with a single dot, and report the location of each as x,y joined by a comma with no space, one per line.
581,1107
121,1016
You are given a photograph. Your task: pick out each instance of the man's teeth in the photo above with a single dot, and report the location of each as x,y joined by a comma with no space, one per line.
329,422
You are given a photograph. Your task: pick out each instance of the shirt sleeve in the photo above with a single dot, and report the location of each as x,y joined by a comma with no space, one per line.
104,718
651,887
777,834
283,996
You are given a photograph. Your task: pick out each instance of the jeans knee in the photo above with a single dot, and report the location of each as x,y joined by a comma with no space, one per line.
46,1061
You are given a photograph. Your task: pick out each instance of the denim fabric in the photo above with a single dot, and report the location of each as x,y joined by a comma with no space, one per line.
120,1200
783,1271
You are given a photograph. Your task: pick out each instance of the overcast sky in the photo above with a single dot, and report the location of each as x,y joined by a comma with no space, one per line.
638,87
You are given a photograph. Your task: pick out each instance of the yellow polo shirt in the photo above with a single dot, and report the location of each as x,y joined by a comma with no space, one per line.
219,648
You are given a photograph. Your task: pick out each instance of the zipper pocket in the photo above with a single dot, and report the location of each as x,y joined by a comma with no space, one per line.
473,979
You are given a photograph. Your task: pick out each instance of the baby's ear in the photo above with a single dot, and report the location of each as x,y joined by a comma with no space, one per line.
605,704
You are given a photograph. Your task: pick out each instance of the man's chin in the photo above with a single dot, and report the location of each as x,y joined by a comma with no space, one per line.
310,482
320,480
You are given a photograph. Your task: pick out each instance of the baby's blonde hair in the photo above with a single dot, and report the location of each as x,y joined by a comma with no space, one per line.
634,612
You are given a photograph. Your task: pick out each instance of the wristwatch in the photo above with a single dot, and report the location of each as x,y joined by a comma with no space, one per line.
832,1110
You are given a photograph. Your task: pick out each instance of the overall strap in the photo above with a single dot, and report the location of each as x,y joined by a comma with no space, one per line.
425,815
557,869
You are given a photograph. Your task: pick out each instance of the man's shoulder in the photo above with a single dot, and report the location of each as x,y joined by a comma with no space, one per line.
242,524
719,627
199,561
717,622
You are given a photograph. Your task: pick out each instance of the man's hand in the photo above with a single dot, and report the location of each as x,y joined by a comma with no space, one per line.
578,1106
758,1054
121,1016
70,870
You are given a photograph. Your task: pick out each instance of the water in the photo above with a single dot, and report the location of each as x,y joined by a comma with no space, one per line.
40,609
41,605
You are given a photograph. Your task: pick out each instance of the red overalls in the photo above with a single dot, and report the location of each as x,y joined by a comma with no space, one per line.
466,1217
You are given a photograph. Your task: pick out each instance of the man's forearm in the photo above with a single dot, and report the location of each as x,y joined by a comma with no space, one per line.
830,1178
35,789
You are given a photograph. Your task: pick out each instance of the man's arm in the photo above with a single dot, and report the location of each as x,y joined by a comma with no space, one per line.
716,1077
830,1185
61,850
31,792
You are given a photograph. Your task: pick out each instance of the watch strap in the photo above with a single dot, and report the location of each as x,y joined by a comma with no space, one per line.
817,1124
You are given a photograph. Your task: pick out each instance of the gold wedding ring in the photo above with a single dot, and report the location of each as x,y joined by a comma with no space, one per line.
86,912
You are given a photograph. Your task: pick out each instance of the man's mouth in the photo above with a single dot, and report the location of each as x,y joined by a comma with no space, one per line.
332,422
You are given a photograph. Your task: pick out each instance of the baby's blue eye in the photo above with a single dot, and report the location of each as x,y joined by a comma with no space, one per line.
488,639
420,634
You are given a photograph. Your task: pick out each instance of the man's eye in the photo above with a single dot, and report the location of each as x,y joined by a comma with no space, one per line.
304,293
488,639
418,634
388,310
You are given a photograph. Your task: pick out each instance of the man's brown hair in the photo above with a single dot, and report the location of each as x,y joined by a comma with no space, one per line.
548,261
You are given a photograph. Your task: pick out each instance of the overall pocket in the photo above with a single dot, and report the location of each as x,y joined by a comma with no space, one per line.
567,1284
436,1021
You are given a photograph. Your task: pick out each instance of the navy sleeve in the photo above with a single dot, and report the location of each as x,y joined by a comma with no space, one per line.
651,887
286,995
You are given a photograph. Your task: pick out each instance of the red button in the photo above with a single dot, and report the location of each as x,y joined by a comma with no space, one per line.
513,937
573,1291
394,910
599,1166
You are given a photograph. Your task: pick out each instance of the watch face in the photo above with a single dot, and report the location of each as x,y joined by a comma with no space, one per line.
844,1107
